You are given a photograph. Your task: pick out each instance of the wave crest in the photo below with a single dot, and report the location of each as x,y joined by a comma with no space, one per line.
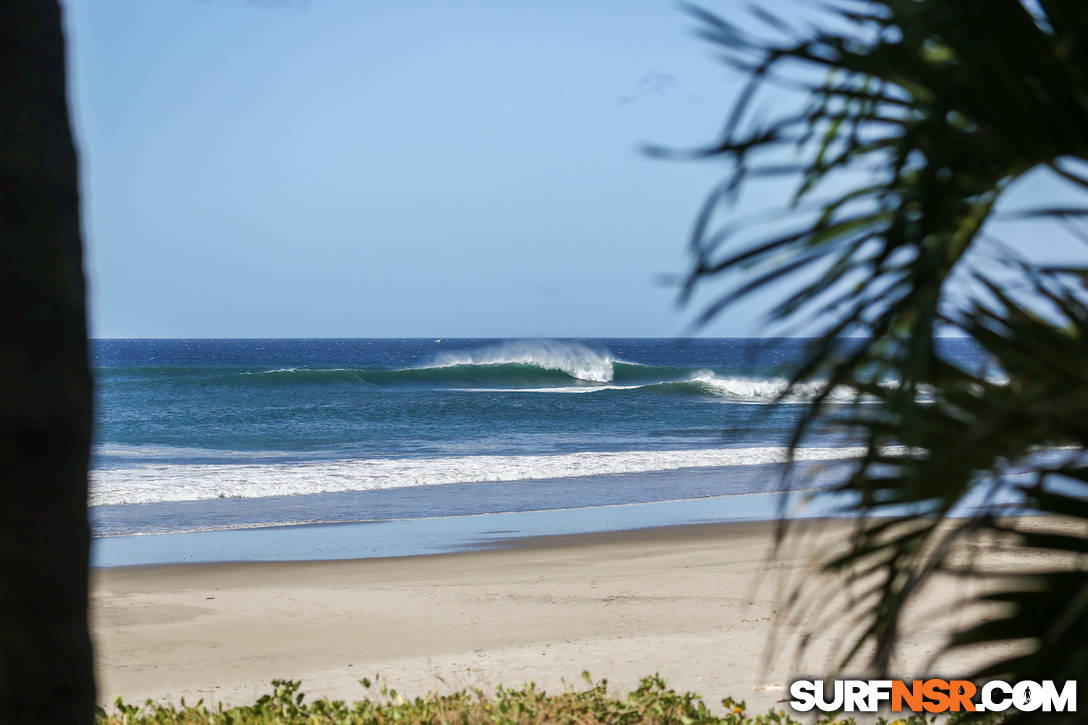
765,390
705,384
574,359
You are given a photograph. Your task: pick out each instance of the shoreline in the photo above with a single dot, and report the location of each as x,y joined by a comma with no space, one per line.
698,604
385,538
669,532
462,532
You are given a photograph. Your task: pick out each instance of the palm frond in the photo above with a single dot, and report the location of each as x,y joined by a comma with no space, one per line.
925,112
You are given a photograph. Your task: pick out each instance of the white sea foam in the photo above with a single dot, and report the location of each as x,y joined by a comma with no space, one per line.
154,482
708,384
123,450
562,389
764,390
574,359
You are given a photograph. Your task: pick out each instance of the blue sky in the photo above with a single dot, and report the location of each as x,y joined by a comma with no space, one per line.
345,168
339,168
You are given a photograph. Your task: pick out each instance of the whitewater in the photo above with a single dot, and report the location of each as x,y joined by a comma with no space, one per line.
157,483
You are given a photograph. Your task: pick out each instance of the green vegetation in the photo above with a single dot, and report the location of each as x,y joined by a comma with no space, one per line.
652,703
916,122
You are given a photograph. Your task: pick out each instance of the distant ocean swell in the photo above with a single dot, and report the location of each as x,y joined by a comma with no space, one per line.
529,378
503,377
152,482
227,433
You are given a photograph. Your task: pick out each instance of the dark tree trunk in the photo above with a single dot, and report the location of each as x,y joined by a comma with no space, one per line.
46,667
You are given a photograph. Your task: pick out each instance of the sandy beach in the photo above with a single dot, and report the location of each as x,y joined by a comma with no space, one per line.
698,604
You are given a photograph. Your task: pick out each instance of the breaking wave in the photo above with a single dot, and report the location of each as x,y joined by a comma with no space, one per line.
517,365
571,359
707,385
591,373
522,367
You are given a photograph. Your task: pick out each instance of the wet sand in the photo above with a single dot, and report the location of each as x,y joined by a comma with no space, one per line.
698,604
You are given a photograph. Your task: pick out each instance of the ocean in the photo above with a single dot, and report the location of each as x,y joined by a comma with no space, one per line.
225,435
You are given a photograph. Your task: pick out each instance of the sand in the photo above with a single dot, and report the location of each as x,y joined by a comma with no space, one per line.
699,604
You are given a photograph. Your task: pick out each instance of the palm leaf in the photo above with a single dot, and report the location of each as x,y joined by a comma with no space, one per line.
927,111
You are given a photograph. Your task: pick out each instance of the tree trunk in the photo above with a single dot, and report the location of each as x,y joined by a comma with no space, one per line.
46,667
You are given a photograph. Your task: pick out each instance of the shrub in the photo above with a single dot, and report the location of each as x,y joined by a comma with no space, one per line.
652,703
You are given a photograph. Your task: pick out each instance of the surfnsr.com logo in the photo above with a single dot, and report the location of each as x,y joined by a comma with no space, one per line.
933,696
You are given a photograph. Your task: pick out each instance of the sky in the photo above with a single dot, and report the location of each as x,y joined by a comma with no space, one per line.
341,168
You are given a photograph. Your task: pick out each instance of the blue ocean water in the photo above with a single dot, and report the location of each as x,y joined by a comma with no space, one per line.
203,435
